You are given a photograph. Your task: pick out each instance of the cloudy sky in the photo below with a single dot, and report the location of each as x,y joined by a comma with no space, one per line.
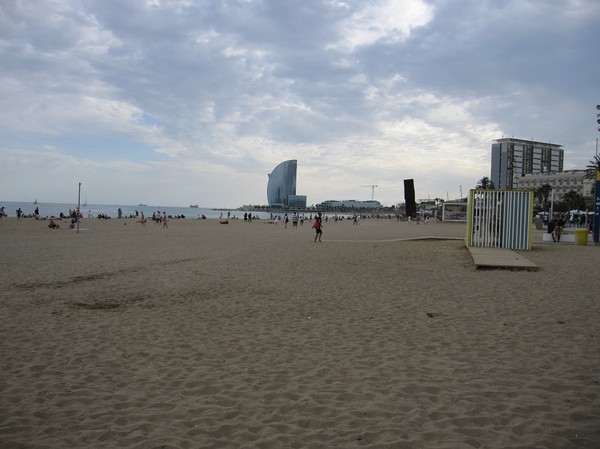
174,102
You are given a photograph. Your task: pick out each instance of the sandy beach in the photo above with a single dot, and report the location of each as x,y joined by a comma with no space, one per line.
250,335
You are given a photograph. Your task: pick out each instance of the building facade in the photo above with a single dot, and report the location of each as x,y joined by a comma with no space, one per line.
282,184
349,204
297,201
561,183
514,158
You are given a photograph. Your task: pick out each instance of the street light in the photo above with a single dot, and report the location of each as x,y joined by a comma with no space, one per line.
598,122
597,191
78,207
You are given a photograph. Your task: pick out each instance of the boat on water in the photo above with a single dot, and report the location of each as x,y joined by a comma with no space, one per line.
35,202
142,205
195,206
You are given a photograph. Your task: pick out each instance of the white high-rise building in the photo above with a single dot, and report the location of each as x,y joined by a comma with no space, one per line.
514,158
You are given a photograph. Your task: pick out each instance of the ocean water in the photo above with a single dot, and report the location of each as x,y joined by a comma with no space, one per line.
111,210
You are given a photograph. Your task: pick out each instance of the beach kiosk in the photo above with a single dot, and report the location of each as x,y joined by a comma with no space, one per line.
500,219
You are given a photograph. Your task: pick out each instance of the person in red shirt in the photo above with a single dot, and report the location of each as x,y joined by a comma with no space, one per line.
318,225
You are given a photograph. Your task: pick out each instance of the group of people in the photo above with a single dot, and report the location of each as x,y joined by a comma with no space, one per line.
295,219
555,227
157,218
21,214
317,225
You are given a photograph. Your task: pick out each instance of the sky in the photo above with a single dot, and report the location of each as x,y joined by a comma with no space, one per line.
184,102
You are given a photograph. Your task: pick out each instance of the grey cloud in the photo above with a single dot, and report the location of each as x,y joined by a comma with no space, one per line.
236,84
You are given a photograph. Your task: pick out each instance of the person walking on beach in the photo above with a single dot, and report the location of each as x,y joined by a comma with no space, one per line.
558,228
318,226
143,220
164,220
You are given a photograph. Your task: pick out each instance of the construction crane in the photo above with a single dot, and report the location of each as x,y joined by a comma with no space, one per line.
372,190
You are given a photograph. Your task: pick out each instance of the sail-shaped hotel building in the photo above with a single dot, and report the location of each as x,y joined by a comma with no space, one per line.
281,188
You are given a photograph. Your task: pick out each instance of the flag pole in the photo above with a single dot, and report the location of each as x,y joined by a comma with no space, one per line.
78,207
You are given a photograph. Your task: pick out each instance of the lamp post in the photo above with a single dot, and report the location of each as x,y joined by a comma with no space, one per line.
597,190
78,207
598,122
597,209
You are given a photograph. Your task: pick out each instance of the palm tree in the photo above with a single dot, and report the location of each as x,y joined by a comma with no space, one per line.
538,195
574,200
485,183
542,193
592,168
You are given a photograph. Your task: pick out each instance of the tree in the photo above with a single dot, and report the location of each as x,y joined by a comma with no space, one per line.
574,200
592,168
485,183
542,193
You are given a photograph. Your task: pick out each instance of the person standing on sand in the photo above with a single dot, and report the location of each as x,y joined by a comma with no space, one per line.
164,220
558,228
318,226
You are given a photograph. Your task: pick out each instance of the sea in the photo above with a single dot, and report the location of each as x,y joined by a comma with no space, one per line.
111,210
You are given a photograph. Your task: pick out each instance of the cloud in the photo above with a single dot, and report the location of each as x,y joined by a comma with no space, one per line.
196,101
387,21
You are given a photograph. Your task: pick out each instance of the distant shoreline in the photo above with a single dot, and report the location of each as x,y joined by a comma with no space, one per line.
49,210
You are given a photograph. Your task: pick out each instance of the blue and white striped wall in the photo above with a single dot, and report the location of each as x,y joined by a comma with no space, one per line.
500,219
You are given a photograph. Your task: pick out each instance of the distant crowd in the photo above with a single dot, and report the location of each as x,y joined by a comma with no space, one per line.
73,214
247,217
36,214
568,220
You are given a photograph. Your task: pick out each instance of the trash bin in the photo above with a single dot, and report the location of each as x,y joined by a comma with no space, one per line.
581,236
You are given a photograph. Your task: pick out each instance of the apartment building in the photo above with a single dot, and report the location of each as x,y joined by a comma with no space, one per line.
514,158
561,182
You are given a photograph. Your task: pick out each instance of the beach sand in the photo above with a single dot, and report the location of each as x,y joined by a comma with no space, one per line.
250,335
